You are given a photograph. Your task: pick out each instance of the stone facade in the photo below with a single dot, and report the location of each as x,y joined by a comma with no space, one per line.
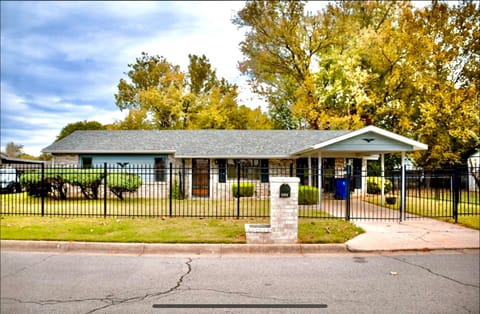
283,226
70,160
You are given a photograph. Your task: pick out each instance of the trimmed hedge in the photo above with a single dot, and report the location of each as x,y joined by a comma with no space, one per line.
119,183
89,180
246,189
374,185
307,195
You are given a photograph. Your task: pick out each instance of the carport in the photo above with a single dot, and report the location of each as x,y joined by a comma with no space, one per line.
368,143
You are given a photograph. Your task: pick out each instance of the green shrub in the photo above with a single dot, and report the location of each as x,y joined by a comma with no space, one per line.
177,192
246,189
374,185
53,184
307,195
31,183
119,183
55,180
82,177
88,180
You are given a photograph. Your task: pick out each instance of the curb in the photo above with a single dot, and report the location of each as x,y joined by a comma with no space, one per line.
169,249
412,250
172,249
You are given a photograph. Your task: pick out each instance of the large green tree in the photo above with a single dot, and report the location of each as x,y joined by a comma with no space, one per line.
161,96
80,125
280,45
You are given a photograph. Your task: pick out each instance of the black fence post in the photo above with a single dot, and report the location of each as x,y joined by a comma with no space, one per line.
455,192
170,190
238,190
347,192
403,194
104,190
43,189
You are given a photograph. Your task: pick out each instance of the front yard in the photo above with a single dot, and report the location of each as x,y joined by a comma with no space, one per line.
166,230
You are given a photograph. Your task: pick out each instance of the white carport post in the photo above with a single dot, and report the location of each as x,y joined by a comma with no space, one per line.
310,171
382,166
320,178
403,189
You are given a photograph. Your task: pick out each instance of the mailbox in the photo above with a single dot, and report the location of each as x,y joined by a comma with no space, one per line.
284,190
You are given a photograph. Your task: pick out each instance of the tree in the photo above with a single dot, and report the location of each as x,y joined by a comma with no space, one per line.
280,47
449,98
137,119
161,96
410,71
13,150
80,125
16,151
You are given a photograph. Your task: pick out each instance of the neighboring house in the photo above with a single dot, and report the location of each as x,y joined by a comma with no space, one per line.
203,150
474,171
11,169
5,160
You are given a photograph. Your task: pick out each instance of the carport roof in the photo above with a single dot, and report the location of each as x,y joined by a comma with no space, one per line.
363,142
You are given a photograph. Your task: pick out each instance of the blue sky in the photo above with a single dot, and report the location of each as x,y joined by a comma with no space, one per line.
61,61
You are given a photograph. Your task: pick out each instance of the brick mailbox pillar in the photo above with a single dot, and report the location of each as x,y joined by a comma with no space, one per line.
283,227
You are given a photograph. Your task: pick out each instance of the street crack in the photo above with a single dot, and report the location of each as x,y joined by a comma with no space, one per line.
421,237
111,300
149,295
434,273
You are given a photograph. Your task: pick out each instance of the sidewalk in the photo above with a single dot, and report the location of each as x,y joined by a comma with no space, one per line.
413,235
423,234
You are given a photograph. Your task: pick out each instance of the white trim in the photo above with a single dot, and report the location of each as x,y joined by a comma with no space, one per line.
416,145
112,152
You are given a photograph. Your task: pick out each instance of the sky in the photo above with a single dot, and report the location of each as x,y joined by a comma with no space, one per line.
61,61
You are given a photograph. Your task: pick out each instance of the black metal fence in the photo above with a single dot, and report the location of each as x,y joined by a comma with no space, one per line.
240,192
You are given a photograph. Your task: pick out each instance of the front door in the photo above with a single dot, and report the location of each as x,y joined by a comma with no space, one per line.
200,177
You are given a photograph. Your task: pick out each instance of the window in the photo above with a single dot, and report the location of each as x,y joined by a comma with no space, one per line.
252,169
305,173
264,170
87,162
222,170
160,169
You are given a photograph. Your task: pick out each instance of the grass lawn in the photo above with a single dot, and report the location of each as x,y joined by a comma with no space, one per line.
439,209
157,230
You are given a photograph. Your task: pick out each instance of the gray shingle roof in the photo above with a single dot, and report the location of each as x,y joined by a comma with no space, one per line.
194,143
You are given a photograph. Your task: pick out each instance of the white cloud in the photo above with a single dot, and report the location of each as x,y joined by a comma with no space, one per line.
62,61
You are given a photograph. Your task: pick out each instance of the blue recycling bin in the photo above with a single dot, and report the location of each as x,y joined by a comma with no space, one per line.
341,189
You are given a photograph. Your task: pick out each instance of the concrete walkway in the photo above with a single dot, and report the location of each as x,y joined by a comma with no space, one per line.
413,235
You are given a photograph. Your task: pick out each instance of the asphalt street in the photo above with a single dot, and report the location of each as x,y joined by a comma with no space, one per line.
435,282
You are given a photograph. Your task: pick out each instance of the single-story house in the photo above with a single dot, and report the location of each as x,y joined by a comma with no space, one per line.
224,150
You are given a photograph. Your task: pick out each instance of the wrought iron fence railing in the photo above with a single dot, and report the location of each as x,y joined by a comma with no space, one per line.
204,191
